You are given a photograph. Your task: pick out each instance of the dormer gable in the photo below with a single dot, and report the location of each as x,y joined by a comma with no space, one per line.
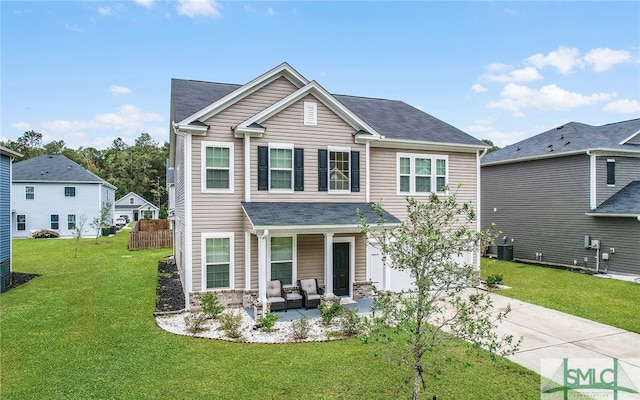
254,126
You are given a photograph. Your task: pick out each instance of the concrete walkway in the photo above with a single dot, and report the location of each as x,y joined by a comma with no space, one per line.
550,334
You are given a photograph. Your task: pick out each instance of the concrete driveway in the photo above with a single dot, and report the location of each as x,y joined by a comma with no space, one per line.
549,334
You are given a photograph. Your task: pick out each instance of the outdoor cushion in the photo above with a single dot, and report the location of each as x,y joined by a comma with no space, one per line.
294,296
273,289
308,285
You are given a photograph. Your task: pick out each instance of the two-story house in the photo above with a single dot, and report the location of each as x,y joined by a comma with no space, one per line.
6,160
569,196
53,192
135,207
269,177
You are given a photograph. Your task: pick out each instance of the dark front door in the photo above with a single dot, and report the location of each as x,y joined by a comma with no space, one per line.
341,269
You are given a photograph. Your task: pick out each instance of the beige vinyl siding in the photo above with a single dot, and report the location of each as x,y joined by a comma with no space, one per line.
461,169
627,170
179,211
311,257
220,212
287,127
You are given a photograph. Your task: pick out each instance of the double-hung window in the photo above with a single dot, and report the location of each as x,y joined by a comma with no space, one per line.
217,261
611,172
281,167
217,167
29,192
421,173
55,221
21,222
339,169
69,191
71,221
282,259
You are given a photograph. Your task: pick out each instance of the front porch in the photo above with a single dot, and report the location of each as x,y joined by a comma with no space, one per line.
363,307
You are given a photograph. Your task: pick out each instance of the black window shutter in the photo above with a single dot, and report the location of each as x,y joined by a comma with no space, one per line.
355,171
298,169
323,174
263,168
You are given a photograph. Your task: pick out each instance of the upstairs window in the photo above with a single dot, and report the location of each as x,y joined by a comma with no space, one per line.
132,200
55,221
69,191
217,167
29,192
339,169
421,174
281,168
611,172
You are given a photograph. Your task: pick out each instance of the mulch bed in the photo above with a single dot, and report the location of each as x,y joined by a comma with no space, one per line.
169,293
19,278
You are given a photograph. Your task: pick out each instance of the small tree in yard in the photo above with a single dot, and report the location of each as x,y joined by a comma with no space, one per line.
102,219
78,230
439,306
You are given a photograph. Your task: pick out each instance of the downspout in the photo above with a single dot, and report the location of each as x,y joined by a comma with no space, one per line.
367,172
478,200
247,198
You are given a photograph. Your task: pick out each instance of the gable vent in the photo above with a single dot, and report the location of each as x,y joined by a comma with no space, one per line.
310,113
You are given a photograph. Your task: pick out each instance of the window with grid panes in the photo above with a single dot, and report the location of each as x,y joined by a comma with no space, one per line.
218,262
282,259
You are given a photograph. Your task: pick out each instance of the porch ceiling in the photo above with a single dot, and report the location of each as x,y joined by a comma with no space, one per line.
285,215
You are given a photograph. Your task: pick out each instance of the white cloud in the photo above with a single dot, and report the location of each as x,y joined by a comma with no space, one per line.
478,88
145,3
623,106
119,90
248,8
198,8
105,11
526,74
565,59
73,28
603,59
502,139
22,126
271,12
516,98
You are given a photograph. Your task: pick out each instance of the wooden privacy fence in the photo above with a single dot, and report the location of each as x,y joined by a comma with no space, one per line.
151,234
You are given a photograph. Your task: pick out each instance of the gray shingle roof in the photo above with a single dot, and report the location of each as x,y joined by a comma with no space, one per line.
569,138
265,214
390,118
625,202
53,168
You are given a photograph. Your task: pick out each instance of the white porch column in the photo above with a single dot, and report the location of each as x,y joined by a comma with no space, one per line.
262,267
247,261
328,264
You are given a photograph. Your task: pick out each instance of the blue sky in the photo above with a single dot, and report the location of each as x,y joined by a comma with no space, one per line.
87,72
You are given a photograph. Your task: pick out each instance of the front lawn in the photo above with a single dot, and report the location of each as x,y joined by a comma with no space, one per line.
84,329
609,301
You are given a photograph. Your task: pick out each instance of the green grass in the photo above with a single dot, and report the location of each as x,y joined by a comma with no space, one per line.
84,330
609,301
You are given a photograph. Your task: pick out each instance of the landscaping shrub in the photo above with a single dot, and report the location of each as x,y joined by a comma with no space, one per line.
351,324
268,321
231,324
211,306
300,328
194,322
494,280
328,313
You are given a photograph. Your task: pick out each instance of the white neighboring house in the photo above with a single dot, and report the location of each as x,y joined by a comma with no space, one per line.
135,207
53,192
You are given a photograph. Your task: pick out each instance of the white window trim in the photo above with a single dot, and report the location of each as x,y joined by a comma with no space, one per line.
287,146
412,175
75,221
33,192
203,168
606,166
25,223
294,266
310,113
339,150
203,255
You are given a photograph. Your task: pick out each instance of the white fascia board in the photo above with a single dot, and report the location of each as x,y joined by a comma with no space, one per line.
630,137
239,132
311,229
612,215
283,70
322,95
192,129
8,152
422,145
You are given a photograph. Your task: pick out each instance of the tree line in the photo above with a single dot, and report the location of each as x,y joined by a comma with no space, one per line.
140,168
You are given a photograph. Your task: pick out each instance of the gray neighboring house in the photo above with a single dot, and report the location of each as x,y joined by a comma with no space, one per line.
53,192
6,159
569,196
135,207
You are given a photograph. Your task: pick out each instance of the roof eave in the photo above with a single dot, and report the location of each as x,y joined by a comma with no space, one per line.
427,145
607,151
612,215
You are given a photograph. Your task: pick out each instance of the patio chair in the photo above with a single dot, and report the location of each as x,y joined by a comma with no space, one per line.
276,296
311,293
294,300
